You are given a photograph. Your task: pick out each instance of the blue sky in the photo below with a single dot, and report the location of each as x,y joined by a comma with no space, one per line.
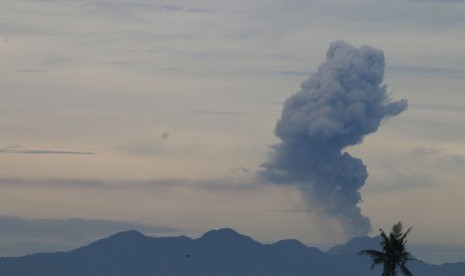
159,113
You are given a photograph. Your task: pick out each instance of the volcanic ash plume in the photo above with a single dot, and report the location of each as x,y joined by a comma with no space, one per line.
335,108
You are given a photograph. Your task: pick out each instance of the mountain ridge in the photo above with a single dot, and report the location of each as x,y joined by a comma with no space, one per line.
222,252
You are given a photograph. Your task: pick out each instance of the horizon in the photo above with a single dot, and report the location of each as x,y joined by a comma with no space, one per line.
102,232
170,117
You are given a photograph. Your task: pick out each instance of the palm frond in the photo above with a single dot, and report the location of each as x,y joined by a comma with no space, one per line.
397,229
371,252
405,270
377,257
385,238
393,254
404,241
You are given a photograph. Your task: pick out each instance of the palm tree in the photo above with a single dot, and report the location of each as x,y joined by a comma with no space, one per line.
393,255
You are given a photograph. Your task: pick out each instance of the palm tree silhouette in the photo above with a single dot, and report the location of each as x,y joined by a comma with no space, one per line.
393,256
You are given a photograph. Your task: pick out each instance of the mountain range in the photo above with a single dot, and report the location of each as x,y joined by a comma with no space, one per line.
222,252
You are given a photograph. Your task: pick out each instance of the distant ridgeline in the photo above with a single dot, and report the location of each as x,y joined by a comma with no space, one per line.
221,252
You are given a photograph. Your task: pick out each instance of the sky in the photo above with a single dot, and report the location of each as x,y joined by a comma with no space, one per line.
159,115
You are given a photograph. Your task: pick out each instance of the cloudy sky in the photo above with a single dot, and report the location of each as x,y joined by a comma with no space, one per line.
157,115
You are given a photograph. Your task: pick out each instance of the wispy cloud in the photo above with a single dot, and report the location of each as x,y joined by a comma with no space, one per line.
130,6
20,150
55,182
240,181
438,122
217,113
288,73
426,70
293,210
419,167
144,149
438,1
438,107
178,8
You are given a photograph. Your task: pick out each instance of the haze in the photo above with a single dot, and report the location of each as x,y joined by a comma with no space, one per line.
158,115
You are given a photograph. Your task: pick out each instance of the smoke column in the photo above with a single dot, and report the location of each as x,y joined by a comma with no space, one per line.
335,108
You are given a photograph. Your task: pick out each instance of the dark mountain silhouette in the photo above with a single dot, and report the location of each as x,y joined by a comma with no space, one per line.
221,252
355,245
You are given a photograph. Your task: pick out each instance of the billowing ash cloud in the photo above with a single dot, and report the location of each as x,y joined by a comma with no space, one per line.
335,108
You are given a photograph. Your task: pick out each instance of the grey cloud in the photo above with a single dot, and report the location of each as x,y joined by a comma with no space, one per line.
242,170
177,8
438,1
431,167
438,107
56,182
20,236
217,113
442,127
130,63
435,158
213,185
288,73
118,5
281,56
293,210
143,149
443,71
335,108
88,183
44,151
132,7
399,181
244,182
